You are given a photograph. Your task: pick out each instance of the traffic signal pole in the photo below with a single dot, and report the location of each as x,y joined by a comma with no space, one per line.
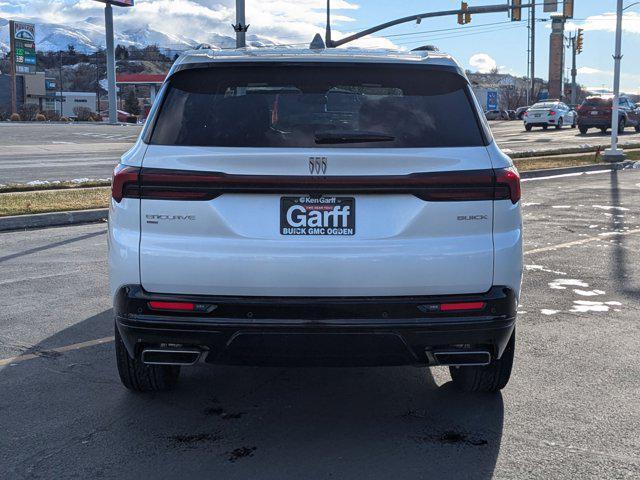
414,18
574,71
532,67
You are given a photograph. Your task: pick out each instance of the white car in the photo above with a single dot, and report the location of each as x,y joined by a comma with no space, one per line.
260,219
545,114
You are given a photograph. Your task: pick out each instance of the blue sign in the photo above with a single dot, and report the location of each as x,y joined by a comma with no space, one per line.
492,100
543,95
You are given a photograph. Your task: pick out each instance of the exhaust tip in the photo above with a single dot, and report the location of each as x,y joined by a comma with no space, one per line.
164,356
462,358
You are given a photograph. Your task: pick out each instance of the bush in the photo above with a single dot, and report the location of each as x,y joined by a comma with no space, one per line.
51,115
96,117
40,118
28,111
82,113
15,117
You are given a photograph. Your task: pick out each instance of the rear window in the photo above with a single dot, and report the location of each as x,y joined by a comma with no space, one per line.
544,105
596,102
309,105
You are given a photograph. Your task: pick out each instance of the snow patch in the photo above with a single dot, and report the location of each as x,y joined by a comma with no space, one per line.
588,293
540,268
563,283
561,206
548,311
584,306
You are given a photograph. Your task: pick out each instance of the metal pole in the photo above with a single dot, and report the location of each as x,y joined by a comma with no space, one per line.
574,71
420,16
615,154
111,64
327,35
240,27
533,54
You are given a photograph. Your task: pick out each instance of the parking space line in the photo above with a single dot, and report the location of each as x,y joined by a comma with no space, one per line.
602,237
66,348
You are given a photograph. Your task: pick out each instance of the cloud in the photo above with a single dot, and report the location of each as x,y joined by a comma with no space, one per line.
606,22
482,62
592,71
277,21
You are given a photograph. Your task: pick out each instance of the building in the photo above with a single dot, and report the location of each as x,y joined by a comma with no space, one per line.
69,101
499,90
145,86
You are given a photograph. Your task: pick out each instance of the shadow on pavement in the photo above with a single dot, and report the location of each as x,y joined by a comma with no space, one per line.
624,279
67,415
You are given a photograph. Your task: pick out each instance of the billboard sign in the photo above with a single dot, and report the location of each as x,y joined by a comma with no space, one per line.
551,5
23,47
492,100
119,3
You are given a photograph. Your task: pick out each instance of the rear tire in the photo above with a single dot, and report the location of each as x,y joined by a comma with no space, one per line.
488,379
638,127
621,126
138,377
560,123
528,128
604,130
544,127
584,130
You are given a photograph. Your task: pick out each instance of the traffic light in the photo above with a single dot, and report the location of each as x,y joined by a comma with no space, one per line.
464,16
579,40
516,13
568,9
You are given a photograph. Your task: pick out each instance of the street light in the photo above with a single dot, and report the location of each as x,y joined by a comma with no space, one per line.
615,154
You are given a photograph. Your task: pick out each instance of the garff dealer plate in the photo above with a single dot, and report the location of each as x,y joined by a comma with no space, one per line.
313,215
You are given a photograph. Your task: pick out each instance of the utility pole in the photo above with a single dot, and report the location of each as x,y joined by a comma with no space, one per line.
327,33
240,27
14,89
574,71
532,67
111,64
614,154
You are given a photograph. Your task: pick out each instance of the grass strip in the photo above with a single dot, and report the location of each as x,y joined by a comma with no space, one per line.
57,185
24,203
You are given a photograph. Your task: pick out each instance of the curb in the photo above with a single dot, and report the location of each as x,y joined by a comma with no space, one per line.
567,150
552,172
53,219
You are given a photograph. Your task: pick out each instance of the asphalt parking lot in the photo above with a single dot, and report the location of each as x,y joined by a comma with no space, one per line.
570,411
49,152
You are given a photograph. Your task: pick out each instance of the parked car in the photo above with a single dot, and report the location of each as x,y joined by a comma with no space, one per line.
383,231
596,112
497,115
512,115
545,114
521,111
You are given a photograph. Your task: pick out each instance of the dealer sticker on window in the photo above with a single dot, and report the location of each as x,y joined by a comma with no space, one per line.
310,215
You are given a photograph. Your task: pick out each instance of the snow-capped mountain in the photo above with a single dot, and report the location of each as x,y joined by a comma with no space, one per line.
88,35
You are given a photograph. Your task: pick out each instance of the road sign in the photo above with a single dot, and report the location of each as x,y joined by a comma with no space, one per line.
23,45
551,6
492,100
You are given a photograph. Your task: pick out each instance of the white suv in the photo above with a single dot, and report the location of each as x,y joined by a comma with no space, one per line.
327,207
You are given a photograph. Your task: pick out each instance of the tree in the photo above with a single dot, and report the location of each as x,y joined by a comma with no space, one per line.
121,53
131,103
71,50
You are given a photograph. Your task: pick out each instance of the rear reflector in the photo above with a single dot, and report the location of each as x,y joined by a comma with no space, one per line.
177,306
448,307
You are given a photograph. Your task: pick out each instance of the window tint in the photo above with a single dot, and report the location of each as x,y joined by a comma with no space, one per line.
596,102
306,106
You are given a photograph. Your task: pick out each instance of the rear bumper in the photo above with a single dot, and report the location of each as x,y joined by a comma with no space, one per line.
590,122
317,331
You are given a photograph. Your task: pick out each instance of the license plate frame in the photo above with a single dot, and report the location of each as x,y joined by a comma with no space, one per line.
318,215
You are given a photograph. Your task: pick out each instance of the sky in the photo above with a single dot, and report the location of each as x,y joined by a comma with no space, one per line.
490,40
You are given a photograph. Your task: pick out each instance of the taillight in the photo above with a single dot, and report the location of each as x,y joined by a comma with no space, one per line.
526,114
452,307
552,112
457,186
507,185
125,182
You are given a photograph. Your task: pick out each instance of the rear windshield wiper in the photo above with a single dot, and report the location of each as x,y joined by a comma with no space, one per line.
325,138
